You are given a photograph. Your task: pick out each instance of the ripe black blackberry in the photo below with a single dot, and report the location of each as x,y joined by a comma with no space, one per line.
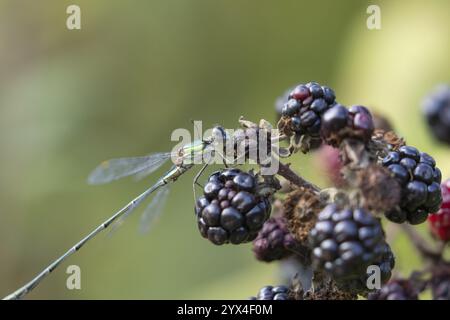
436,109
302,112
274,241
272,293
345,242
420,180
399,289
339,123
231,210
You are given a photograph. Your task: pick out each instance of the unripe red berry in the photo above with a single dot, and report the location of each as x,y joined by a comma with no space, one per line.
440,221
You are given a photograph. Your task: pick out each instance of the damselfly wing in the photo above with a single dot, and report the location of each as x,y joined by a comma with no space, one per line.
115,169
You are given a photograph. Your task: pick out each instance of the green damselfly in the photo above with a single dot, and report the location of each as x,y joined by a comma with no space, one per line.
184,159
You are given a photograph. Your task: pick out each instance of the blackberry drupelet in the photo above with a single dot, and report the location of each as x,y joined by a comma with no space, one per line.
272,293
231,211
345,242
419,178
281,101
400,289
339,123
274,241
436,109
302,112
440,221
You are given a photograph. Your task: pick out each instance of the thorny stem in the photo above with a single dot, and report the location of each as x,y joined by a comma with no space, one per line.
286,172
421,244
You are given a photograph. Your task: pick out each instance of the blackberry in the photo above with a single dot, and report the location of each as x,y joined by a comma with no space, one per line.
272,293
231,210
302,112
419,178
400,289
440,221
345,242
436,109
274,241
339,123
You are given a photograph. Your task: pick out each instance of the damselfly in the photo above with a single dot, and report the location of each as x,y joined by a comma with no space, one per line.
184,159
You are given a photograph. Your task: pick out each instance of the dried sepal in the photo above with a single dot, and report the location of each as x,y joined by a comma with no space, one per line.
379,189
355,155
325,289
383,142
301,207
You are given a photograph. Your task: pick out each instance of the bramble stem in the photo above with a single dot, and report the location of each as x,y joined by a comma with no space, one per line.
421,244
286,172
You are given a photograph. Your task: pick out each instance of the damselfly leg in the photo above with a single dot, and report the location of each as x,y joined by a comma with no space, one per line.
196,178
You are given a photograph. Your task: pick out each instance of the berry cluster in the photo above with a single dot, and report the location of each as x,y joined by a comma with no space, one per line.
346,242
272,293
440,221
419,177
333,235
231,211
340,123
301,114
436,109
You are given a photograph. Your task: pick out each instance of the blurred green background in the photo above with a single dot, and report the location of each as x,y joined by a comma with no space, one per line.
139,69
